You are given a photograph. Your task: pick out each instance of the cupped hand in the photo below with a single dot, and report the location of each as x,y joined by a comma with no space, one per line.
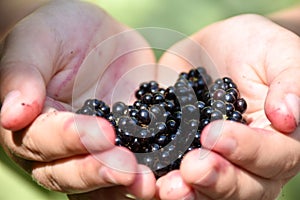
48,68
45,57
241,161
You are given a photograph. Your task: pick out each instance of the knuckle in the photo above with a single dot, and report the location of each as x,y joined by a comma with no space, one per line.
32,149
290,167
60,177
82,174
231,192
85,171
271,192
228,194
244,155
71,135
287,164
45,176
24,146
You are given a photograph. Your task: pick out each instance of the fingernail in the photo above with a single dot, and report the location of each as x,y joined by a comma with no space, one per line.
215,140
292,102
94,135
205,168
190,196
106,174
213,134
209,178
130,196
227,145
10,99
159,182
120,163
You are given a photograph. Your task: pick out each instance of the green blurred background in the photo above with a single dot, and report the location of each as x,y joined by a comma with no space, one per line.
184,16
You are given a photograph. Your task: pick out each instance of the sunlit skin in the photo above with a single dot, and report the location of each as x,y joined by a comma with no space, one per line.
43,59
254,161
39,66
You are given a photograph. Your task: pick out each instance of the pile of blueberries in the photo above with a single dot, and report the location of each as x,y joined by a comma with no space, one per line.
163,124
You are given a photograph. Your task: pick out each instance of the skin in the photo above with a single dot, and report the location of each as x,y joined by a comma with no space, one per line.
44,60
14,10
288,18
41,62
239,161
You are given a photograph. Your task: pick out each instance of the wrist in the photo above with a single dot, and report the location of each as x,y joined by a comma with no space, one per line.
13,11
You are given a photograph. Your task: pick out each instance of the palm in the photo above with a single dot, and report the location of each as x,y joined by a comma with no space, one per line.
79,52
253,61
87,50
254,58
252,51
91,55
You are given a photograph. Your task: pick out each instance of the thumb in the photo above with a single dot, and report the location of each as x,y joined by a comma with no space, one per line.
282,104
23,93
25,68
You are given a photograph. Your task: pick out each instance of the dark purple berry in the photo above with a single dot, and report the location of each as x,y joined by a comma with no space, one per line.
119,108
167,122
158,98
241,105
206,112
93,103
234,92
144,116
219,94
235,116
216,115
139,93
147,98
219,105
230,98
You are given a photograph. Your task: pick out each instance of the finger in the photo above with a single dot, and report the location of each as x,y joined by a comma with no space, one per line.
25,68
112,193
282,104
144,183
116,166
65,134
213,176
22,91
254,149
173,187
143,187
